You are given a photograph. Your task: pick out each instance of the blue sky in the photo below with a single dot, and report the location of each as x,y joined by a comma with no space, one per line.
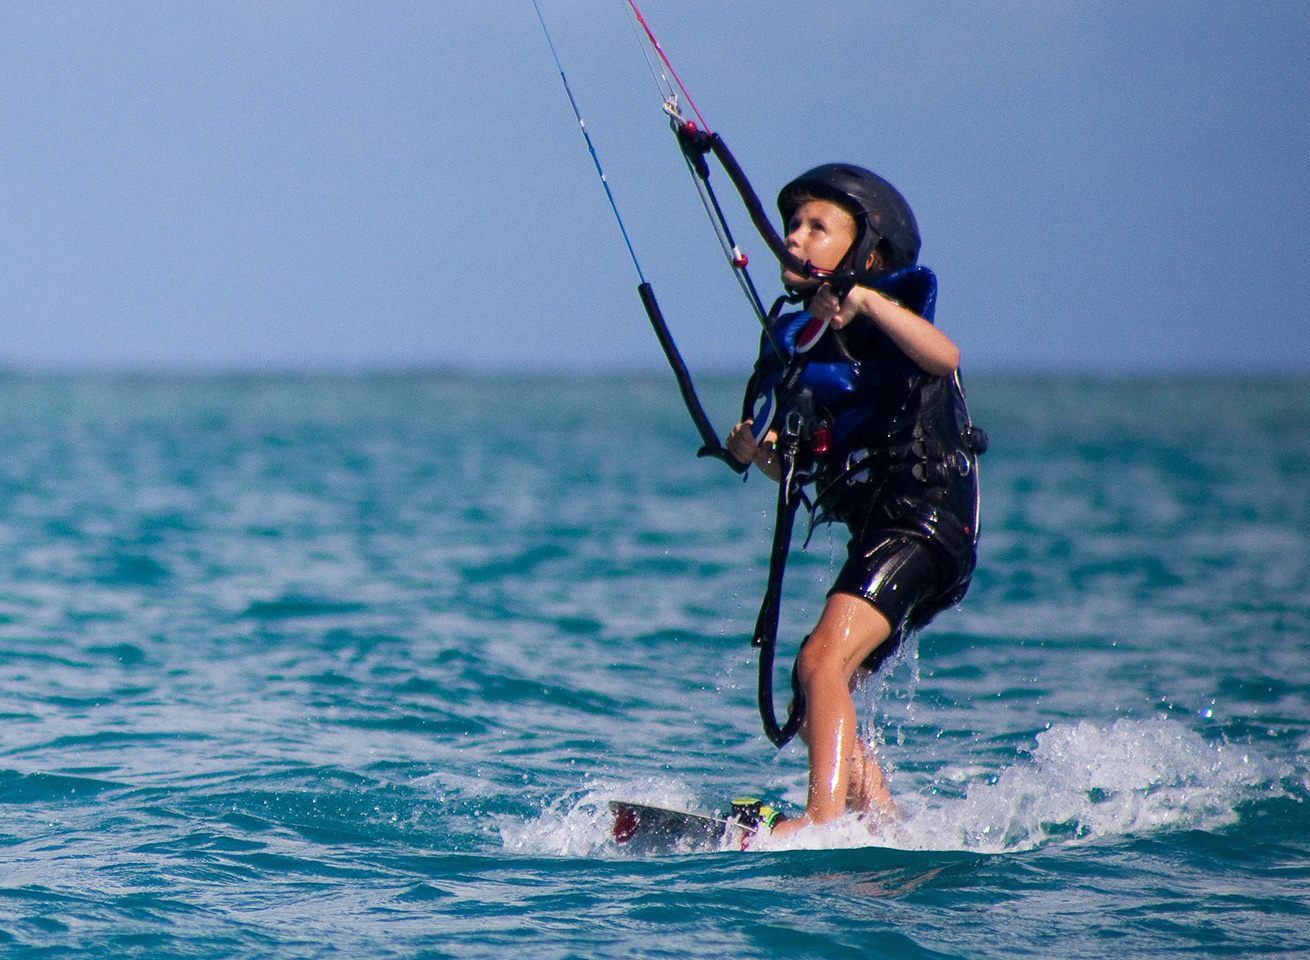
1102,186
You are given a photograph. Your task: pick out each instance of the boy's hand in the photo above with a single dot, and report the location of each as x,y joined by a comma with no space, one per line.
839,313
741,444
826,306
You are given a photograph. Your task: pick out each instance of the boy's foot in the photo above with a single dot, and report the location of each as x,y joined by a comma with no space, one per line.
755,816
782,827
874,819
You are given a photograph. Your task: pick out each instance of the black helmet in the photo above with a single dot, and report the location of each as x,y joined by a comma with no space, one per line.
883,219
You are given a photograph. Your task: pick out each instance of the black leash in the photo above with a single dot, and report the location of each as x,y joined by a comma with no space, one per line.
791,495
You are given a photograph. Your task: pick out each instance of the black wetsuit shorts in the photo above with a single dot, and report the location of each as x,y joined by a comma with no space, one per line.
900,576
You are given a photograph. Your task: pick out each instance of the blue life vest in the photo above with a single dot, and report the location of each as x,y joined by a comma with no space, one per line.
845,387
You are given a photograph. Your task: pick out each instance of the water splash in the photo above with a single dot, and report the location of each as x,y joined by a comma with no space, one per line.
1084,781
576,826
1079,783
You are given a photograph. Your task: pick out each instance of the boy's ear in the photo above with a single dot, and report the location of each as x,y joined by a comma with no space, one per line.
879,255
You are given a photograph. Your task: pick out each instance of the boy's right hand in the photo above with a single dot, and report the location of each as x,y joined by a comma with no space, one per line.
741,444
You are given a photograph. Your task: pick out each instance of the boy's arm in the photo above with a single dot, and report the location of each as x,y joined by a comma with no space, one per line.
930,349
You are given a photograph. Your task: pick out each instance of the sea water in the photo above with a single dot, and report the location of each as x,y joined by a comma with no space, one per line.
334,665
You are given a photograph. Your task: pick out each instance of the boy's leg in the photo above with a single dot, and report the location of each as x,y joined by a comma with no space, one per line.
849,629
868,789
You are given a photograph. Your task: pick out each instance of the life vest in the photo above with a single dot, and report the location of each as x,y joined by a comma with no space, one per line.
876,407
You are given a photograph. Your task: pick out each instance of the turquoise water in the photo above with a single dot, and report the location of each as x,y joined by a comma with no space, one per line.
302,666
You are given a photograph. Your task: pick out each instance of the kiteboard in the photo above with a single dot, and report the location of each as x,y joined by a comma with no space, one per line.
645,829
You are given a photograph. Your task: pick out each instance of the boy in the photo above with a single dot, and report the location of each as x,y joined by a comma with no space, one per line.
897,465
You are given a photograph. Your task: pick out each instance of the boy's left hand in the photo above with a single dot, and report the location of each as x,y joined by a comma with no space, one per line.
825,306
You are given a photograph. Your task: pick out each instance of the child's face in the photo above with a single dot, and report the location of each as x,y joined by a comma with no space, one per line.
821,232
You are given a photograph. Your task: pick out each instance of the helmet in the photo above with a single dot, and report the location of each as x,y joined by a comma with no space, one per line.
884,221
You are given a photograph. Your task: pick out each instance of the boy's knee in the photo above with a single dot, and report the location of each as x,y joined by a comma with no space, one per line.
830,656
816,663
